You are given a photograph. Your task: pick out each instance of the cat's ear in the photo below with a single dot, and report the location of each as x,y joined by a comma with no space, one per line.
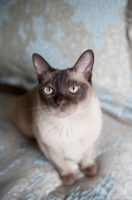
41,66
84,65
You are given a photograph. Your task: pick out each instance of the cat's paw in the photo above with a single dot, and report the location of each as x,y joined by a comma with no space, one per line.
91,170
68,179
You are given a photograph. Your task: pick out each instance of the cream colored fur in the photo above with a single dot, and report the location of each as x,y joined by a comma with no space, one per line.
62,139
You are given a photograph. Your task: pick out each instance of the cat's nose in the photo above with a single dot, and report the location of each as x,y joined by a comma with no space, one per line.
61,103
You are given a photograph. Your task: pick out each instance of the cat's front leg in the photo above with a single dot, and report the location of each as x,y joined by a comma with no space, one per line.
61,164
88,164
65,172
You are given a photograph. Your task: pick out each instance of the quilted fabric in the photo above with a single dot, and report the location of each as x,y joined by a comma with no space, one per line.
60,31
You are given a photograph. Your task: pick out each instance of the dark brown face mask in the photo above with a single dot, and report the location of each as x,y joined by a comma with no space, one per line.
59,89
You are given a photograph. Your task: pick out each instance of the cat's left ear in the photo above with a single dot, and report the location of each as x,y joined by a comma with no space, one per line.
84,65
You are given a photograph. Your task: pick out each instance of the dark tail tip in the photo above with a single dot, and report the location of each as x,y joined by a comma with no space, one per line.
14,90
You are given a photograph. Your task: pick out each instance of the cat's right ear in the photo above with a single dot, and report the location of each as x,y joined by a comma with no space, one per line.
41,66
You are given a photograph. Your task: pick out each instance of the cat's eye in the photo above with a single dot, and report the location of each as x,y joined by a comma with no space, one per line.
48,90
73,89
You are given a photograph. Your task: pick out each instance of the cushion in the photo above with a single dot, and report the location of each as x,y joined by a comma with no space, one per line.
60,31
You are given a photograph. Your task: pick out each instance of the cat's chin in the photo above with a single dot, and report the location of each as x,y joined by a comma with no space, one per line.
65,113
62,114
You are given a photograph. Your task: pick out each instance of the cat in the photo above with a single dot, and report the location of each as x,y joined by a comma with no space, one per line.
64,115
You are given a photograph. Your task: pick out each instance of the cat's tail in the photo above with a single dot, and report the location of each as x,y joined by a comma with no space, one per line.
13,90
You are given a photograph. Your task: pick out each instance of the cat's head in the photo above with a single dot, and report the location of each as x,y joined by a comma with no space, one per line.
63,92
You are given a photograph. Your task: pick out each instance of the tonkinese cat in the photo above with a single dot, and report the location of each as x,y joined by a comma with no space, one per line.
64,115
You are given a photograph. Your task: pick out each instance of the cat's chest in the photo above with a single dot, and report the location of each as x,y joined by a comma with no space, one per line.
69,139
61,132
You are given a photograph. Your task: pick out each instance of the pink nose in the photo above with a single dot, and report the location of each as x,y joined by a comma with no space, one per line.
61,103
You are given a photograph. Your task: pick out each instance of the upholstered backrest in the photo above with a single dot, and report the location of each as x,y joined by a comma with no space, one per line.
61,30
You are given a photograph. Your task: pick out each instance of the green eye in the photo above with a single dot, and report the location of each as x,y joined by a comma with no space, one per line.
73,89
48,90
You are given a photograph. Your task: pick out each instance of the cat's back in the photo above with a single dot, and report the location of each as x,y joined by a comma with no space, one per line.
24,111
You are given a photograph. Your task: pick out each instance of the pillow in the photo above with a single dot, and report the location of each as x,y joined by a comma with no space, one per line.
60,31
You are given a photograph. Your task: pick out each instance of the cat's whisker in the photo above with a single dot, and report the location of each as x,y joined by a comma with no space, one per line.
30,124
34,108
57,113
40,112
46,111
33,122
71,128
83,107
41,117
81,115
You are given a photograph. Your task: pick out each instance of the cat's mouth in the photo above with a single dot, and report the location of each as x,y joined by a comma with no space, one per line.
61,113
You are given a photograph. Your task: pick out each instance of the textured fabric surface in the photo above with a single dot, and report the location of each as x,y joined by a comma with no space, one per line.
25,173
61,30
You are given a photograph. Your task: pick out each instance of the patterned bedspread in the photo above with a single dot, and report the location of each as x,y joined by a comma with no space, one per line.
25,173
